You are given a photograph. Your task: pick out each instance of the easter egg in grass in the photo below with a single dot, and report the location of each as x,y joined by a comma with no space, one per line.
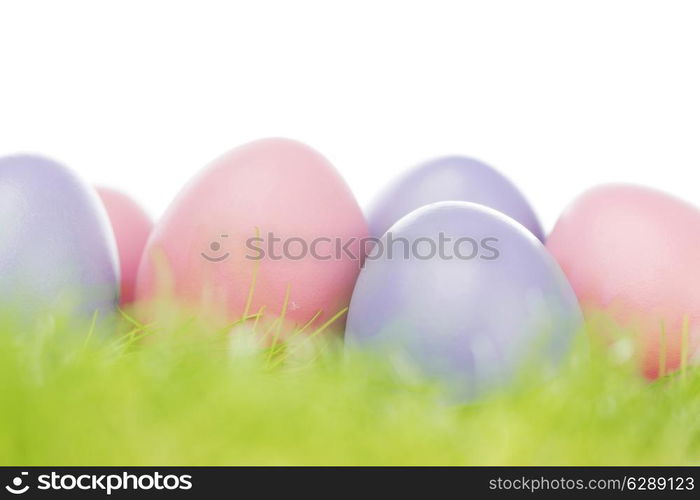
631,255
466,294
270,227
57,251
131,226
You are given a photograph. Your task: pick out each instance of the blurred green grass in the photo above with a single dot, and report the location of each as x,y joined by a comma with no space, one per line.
187,396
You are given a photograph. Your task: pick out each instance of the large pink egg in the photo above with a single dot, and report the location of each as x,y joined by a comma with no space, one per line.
131,226
633,254
270,226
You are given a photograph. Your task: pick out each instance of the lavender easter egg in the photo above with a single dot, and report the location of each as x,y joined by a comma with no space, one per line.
57,252
465,293
632,255
268,227
452,178
131,226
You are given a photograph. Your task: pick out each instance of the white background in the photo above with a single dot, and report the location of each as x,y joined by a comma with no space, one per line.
558,95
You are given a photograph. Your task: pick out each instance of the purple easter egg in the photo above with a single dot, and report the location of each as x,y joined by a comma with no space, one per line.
451,178
465,293
57,251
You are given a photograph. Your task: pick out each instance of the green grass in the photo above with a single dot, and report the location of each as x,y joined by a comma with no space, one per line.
184,395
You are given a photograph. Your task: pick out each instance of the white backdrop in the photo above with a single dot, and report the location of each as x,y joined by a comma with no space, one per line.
558,95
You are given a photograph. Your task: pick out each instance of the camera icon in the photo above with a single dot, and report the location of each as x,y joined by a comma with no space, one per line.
16,488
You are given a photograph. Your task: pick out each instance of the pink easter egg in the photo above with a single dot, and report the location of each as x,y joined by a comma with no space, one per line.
259,230
633,254
131,226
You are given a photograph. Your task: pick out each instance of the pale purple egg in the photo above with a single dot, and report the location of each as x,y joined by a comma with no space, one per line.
474,298
57,251
451,178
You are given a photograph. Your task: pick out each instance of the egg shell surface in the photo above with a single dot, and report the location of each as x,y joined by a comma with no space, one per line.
451,178
632,254
467,317
131,226
275,187
57,251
